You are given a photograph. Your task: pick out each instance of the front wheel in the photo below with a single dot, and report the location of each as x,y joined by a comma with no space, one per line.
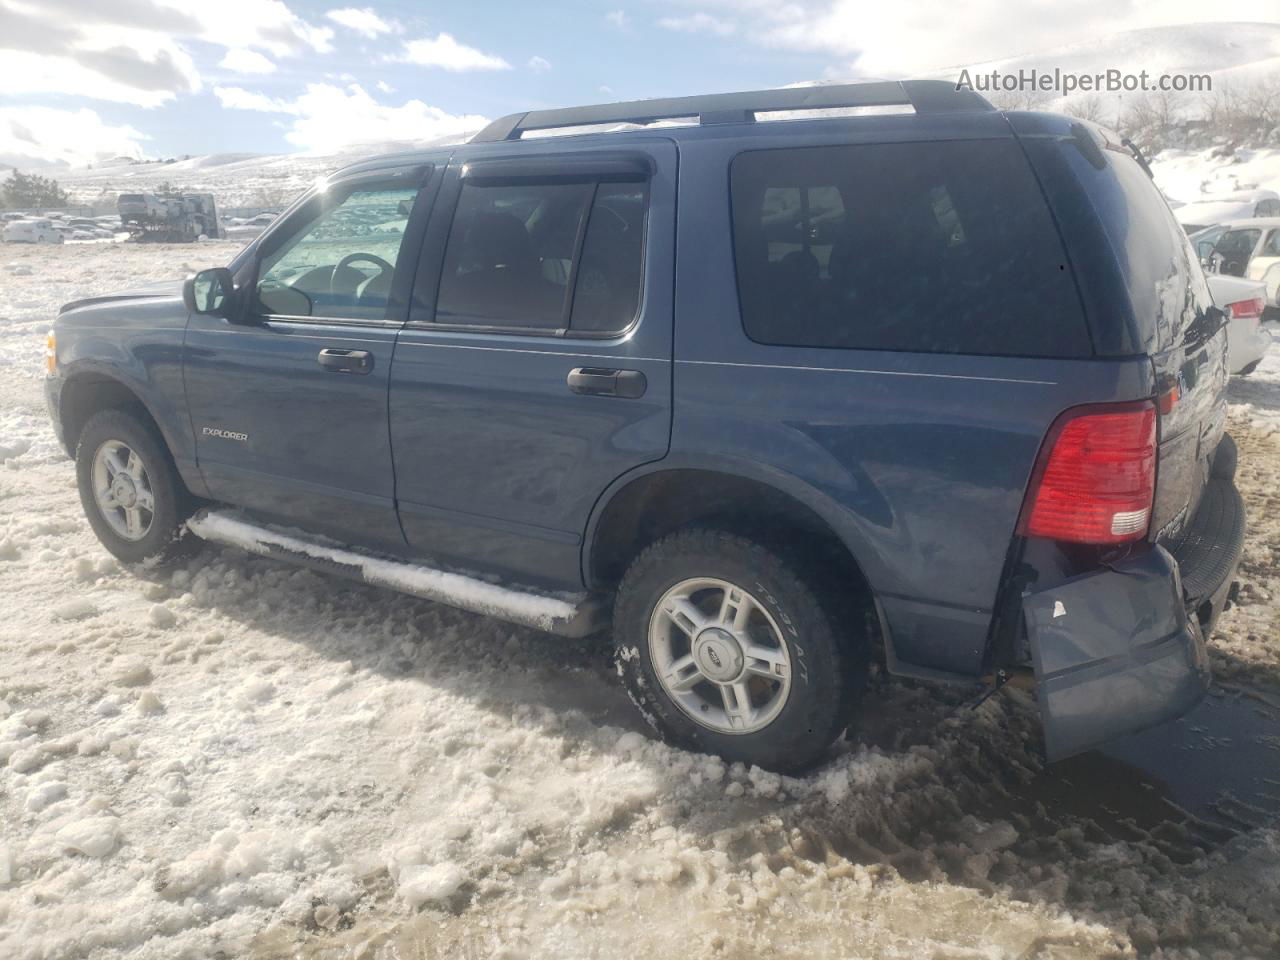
727,649
129,489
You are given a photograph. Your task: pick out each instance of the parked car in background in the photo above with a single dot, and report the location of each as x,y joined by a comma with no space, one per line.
1243,248
1241,205
40,230
944,389
1244,302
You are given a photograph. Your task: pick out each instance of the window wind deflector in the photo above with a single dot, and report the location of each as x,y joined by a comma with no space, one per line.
560,168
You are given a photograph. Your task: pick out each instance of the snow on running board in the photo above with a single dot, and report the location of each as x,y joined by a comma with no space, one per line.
544,613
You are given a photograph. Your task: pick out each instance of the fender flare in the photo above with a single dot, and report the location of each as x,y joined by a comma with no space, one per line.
98,372
840,521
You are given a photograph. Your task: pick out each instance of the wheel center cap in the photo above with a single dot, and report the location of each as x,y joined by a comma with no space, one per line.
124,492
718,654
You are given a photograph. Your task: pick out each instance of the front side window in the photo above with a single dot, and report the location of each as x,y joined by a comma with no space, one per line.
544,256
340,262
1272,249
925,247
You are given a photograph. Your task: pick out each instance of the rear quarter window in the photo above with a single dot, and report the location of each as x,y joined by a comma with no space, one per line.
940,247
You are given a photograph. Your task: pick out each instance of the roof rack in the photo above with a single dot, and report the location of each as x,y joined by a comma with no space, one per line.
925,96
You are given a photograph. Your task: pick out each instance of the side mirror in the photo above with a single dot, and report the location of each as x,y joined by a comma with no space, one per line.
209,292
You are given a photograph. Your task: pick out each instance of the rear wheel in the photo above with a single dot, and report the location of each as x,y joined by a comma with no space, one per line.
726,648
129,489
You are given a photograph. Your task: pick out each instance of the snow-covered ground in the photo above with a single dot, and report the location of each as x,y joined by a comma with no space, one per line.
237,758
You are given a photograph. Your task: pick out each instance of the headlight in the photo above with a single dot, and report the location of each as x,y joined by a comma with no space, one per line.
51,353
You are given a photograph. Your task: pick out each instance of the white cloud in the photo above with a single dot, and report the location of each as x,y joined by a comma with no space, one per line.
328,118
267,25
617,18
238,98
363,20
699,23
132,51
31,73
247,61
447,53
539,64
930,35
41,136
384,87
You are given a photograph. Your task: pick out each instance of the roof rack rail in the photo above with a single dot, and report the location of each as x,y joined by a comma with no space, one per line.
925,96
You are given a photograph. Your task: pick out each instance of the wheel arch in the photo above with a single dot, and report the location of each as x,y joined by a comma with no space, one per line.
89,391
653,501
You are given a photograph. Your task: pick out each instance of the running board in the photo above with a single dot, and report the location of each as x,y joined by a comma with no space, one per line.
579,616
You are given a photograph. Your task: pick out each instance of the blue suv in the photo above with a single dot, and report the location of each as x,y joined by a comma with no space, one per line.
774,384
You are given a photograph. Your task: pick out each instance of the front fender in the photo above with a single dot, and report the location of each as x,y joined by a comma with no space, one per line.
137,344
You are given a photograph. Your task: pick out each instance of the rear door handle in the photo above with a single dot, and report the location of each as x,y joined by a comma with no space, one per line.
345,361
602,382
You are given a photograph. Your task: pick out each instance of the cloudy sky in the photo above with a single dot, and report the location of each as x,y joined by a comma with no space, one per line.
86,79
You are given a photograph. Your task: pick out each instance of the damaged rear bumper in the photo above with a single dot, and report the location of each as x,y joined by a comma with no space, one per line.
1122,649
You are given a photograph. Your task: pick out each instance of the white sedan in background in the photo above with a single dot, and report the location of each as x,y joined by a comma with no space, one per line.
1243,301
31,231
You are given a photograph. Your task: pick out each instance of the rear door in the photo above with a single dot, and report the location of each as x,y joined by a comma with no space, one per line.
288,399
536,364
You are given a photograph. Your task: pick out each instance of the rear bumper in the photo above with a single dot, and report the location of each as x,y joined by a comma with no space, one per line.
1247,343
1122,649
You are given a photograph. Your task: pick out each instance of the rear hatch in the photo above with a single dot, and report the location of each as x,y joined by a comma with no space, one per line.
1144,293
1112,643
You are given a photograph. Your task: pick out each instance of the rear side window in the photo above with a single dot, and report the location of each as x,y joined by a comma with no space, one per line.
545,256
942,247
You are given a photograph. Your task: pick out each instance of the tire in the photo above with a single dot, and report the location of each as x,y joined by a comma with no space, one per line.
825,672
150,477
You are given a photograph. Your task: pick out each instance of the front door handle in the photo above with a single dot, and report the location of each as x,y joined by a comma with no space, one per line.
601,382
346,361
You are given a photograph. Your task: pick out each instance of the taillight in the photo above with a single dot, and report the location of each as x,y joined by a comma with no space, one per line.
1246,309
1096,476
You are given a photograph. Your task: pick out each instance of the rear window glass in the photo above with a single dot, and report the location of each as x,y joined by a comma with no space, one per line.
1152,250
927,247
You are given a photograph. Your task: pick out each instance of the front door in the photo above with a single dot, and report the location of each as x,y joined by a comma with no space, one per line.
288,398
536,366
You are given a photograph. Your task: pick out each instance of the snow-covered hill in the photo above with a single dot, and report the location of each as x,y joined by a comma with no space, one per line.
1230,53
235,179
